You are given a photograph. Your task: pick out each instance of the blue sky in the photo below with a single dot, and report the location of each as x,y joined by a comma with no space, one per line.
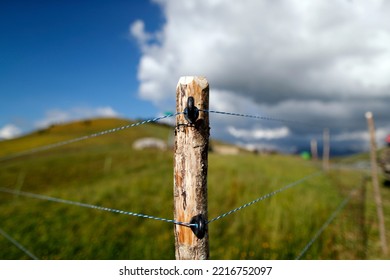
68,55
322,62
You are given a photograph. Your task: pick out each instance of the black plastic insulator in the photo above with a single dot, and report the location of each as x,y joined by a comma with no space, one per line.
191,113
199,226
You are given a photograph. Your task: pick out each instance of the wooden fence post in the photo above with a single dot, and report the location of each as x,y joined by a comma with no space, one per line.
326,149
190,168
374,175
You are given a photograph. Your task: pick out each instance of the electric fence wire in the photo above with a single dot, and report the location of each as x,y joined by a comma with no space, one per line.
266,196
326,224
113,130
80,204
97,134
17,244
264,118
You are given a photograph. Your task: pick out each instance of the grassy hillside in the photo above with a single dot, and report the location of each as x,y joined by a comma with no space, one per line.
106,171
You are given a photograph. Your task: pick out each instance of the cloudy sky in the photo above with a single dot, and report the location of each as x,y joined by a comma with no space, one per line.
319,63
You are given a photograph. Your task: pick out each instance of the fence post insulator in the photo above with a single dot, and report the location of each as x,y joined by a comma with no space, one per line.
191,112
198,225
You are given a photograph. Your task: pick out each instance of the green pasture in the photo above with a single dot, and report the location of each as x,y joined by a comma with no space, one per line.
107,171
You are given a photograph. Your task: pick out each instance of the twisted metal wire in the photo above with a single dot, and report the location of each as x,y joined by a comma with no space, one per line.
97,134
326,224
265,118
17,244
80,204
266,196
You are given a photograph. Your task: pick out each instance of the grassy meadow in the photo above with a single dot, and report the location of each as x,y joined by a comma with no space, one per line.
107,171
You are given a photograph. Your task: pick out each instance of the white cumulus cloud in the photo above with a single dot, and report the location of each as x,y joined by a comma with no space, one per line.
258,133
9,131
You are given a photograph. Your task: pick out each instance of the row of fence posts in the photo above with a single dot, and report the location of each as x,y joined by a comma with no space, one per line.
192,133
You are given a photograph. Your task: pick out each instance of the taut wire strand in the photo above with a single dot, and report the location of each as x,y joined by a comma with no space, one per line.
17,244
66,142
326,224
266,196
60,200
264,118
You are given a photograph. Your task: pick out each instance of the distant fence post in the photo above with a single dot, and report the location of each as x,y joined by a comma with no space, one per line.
326,149
190,167
314,150
375,183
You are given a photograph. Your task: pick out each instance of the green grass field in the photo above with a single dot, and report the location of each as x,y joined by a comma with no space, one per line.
107,171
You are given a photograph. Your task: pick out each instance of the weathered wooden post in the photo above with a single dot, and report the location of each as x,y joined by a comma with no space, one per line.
190,168
374,175
326,149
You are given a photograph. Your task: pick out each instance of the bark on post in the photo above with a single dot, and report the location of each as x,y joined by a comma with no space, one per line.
190,168
375,183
